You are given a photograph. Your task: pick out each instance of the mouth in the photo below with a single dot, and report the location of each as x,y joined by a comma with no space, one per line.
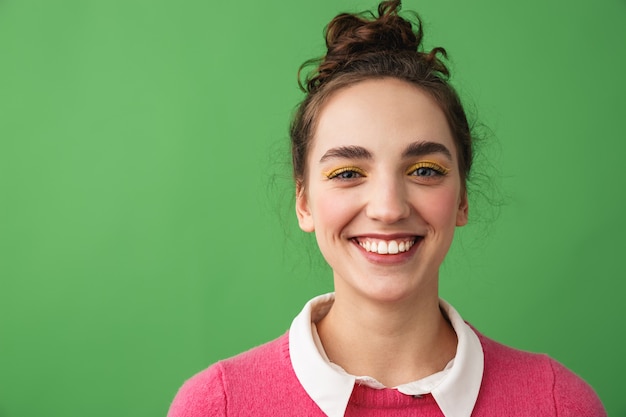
387,247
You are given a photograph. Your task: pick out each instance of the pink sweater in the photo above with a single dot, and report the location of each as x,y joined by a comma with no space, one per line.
261,382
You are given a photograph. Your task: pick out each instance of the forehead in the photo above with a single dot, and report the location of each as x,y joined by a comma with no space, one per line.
380,115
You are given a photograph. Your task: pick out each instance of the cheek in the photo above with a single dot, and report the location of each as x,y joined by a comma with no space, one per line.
440,207
331,213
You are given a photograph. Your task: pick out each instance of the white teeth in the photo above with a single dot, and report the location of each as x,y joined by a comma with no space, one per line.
393,247
384,247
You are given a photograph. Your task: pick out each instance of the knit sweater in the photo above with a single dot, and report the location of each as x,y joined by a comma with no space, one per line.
261,382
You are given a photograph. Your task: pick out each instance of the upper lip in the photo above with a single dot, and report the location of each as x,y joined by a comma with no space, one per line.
386,236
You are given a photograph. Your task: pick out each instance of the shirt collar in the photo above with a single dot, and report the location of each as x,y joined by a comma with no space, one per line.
456,395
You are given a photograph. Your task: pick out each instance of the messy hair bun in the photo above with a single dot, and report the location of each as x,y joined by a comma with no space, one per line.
363,46
350,38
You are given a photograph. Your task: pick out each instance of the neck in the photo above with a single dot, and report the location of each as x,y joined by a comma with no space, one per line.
394,343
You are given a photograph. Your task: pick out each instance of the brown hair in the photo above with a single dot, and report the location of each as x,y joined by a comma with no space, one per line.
364,46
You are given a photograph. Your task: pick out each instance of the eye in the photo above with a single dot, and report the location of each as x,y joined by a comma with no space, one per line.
345,173
425,172
427,169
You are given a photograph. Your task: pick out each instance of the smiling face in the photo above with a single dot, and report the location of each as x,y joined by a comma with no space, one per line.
382,191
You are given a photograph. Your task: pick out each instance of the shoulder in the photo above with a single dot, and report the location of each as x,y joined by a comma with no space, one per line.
201,395
518,377
208,392
572,395
260,363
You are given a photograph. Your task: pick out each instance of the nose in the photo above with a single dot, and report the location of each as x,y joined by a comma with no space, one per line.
387,201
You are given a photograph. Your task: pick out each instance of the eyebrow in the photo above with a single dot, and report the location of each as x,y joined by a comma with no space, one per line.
347,152
425,148
415,149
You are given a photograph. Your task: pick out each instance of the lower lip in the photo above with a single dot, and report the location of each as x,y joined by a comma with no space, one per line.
389,259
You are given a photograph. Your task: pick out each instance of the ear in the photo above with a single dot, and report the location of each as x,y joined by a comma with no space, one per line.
303,212
462,212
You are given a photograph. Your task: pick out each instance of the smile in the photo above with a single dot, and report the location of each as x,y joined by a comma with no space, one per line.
386,247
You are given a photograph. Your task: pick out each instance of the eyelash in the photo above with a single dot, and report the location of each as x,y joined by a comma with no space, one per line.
438,169
335,173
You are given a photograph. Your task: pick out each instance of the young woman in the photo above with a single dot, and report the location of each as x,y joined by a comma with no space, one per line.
381,155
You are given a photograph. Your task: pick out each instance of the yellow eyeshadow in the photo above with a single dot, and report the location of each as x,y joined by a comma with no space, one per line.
428,164
337,171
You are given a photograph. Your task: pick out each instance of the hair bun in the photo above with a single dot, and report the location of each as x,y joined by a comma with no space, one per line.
351,36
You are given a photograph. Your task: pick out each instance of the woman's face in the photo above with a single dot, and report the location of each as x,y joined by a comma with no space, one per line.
383,192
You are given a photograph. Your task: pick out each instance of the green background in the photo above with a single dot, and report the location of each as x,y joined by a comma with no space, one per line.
146,221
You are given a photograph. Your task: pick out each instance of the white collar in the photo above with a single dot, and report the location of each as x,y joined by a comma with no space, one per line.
331,389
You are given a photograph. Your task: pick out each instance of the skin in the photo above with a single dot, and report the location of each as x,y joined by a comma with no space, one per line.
383,166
